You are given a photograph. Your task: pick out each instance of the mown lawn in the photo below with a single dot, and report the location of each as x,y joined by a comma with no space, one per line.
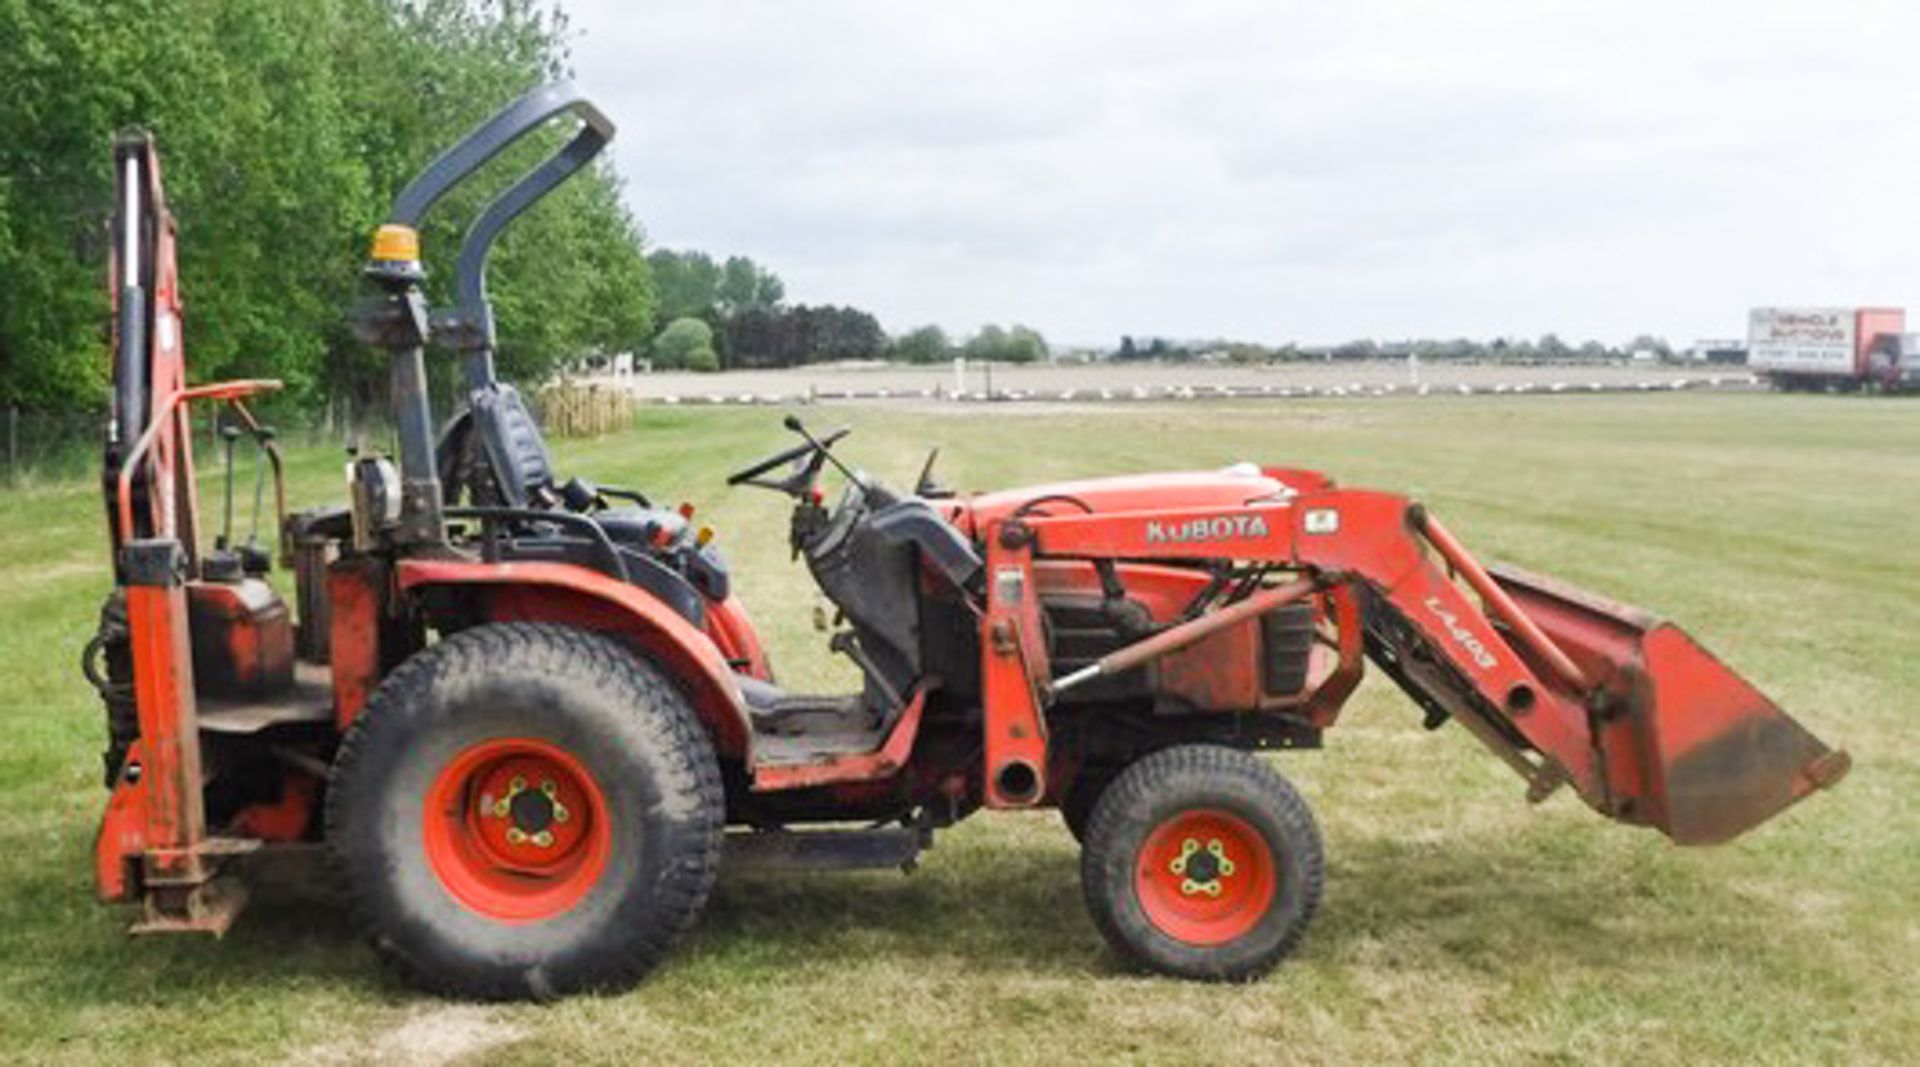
1460,924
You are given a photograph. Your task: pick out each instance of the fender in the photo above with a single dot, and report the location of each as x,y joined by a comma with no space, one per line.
564,593
733,632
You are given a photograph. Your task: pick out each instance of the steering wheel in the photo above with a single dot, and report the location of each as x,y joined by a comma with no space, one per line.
781,459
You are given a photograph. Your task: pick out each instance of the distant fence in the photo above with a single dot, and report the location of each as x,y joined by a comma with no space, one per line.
51,444
58,446
65,445
1123,393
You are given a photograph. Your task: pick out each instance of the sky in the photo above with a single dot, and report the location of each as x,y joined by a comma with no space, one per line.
1278,171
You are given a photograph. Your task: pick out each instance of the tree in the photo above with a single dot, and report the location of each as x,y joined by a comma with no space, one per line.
745,285
791,336
987,345
1025,345
928,344
685,343
1648,343
843,333
688,283
283,147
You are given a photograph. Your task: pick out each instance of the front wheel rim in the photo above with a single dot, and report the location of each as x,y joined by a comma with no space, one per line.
1206,877
517,829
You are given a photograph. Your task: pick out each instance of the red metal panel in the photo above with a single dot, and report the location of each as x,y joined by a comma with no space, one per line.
1259,531
1868,324
356,589
1220,672
169,795
286,819
562,592
1145,492
734,634
122,838
1013,664
1371,535
1325,700
242,639
849,767
1690,747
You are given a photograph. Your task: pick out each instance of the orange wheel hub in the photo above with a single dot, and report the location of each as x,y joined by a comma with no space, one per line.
1206,877
517,829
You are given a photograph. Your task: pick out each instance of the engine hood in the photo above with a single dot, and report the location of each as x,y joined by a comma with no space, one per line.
1232,486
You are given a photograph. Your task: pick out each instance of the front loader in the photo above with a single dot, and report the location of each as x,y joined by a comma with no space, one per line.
530,722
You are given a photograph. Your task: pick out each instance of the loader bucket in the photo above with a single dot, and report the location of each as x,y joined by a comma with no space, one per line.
1688,746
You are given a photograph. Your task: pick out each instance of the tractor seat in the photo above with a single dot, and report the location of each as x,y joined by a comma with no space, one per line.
512,447
495,453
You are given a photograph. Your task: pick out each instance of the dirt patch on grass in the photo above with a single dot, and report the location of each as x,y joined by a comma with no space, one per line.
441,1034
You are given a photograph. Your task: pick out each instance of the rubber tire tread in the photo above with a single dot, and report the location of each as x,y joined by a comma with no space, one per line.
660,739
1184,777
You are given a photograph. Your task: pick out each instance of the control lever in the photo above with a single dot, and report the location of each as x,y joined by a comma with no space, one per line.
229,433
254,559
223,564
926,487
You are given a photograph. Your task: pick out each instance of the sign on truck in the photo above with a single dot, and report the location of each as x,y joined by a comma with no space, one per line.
1801,340
1822,347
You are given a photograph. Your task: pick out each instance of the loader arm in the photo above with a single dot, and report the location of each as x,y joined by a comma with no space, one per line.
1566,687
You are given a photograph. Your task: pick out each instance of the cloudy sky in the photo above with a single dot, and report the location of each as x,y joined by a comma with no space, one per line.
1273,171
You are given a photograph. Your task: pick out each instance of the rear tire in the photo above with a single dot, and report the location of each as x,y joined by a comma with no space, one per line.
1202,862
525,811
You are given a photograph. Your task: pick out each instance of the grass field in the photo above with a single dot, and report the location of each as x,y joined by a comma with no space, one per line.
1460,925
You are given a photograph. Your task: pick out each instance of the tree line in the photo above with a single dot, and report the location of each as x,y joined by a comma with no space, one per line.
731,314
1549,348
285,130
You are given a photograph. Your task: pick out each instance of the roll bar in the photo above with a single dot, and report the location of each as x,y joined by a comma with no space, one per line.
470,329
493,136
400,322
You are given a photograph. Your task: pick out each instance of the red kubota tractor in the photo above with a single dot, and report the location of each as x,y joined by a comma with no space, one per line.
530,723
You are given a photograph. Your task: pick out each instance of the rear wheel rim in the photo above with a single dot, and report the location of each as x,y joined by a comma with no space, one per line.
517,829
1206,877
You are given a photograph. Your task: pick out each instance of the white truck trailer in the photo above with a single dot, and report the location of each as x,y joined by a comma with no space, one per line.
1830,347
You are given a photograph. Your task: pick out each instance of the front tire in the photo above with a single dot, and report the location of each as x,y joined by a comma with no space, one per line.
1202,862
526,811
